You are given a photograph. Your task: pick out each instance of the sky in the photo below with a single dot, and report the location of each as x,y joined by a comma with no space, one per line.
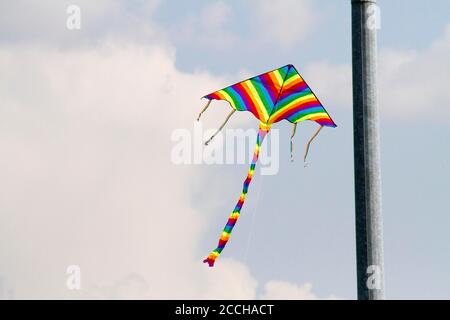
88,118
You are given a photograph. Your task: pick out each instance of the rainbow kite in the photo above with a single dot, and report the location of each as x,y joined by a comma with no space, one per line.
271,97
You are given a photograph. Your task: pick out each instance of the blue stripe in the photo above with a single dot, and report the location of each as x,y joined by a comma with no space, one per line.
307,111
237,96
292,97
264,90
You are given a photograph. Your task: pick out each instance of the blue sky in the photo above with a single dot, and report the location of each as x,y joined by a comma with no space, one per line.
404,25
87,119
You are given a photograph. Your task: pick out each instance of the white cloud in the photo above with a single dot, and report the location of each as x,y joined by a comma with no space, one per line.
44,21
85,172
207,28
263,22
284,22
281,290
415,83
215,15
86,176
331,82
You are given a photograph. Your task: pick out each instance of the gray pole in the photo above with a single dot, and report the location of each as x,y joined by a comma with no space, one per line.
369,229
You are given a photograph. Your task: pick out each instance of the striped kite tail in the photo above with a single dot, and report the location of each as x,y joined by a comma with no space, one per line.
226,233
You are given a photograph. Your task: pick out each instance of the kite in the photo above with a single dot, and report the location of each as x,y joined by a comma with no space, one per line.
271,97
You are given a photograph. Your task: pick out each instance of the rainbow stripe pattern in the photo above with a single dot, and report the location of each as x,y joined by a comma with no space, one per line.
226,233
276,95
271,97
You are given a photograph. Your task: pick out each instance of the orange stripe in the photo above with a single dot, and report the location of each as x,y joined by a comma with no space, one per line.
274,79
315,117
222,96
292,79
251,95
292,83
241,90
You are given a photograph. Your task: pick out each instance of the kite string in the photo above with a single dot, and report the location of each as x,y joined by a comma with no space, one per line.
225,236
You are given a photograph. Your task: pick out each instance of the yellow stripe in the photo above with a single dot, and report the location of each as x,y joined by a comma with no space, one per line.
226,96
259,104
225,236
264,126
274,80
314,116
292,79
277,75
296,101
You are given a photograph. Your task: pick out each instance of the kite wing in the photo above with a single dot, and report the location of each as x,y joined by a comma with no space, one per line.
276,95
297,102
258,95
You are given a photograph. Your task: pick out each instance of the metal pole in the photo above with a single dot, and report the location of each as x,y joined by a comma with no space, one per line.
369,229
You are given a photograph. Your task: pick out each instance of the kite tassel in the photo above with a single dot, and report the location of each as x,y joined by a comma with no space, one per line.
226,233
294,129
203,110
308,144
221,127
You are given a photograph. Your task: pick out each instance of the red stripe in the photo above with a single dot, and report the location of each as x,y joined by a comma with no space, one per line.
252,100
222,243
214,95
247,99
272,87
295,88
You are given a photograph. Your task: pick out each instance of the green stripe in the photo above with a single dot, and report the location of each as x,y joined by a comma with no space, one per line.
293,97
262,96
291,73
304,113
235,99
283,71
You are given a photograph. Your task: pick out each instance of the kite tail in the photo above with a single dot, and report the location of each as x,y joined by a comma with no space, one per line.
226,233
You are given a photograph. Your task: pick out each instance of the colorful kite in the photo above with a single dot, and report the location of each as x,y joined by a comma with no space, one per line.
271,97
